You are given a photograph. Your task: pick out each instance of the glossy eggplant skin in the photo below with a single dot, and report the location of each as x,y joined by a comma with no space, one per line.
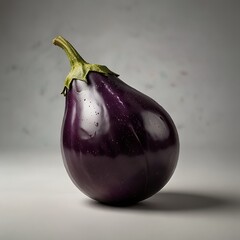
119,146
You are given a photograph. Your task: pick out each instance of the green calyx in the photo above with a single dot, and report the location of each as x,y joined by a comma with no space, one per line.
79,67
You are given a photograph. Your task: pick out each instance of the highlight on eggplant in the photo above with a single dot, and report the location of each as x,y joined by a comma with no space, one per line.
118,145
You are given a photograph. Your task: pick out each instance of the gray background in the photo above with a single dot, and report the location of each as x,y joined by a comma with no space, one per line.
184,54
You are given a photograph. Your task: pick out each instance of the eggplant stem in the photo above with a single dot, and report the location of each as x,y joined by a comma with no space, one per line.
72,54
79,67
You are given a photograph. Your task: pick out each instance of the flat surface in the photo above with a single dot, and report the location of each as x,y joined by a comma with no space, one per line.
38,201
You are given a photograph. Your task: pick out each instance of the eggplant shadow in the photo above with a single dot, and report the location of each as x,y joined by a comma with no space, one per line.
177,201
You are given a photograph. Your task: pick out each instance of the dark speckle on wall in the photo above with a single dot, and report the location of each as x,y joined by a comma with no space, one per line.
180,126
182,99
53,98
163,75
149,86
14,67
36,45
42,91
183,72
11,68
26,131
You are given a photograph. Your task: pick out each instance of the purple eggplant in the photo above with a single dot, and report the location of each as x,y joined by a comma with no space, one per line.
119,146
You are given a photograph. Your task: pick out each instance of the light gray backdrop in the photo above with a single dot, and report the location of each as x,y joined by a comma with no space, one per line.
184,54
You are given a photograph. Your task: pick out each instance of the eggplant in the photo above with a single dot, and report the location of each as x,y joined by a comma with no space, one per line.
118,145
